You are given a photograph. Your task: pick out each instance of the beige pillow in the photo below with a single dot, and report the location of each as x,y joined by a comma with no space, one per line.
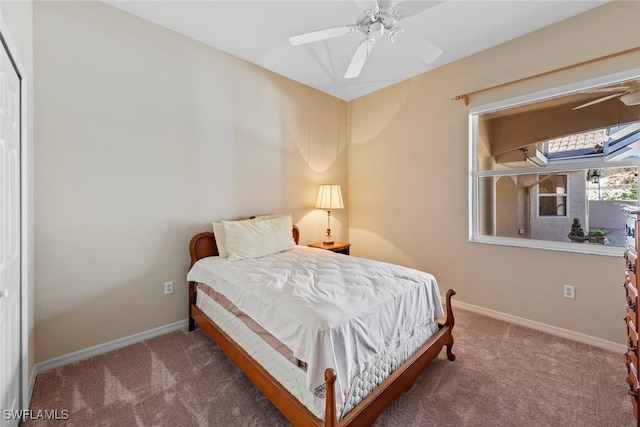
258,237
221,236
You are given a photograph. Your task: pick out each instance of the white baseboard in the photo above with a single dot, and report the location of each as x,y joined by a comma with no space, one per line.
543,327
56,362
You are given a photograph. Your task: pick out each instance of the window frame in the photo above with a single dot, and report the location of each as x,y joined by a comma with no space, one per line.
475,175
565,195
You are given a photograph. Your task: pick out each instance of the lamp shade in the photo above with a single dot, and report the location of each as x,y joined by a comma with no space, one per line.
329,197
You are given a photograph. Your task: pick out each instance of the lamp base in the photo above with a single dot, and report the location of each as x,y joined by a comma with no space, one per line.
328,239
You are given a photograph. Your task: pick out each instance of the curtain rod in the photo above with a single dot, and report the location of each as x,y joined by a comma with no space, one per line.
465,96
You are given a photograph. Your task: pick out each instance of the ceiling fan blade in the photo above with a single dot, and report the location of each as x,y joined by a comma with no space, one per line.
408,8
359,58
416,47
388,4
606,89
367,5
328,33
596,101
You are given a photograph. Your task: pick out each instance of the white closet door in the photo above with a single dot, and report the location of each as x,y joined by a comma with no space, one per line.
10,239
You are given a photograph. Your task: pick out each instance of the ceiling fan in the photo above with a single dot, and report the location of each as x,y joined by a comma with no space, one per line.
629,94
380,18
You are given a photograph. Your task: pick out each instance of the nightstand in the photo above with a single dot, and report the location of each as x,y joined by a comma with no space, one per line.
338,247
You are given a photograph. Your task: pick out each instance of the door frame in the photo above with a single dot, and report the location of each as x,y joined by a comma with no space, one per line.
26,223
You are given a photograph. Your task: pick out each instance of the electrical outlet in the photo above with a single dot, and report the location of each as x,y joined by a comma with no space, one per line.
168,288
570,291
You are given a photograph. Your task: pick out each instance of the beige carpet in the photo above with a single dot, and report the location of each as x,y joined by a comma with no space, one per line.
504,375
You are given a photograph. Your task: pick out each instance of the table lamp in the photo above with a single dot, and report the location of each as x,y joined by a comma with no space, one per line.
329,197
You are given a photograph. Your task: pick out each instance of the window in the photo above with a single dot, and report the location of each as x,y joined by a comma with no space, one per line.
552,195
554,172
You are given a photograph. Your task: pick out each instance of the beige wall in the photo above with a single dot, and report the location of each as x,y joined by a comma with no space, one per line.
19,19
408,177
143,138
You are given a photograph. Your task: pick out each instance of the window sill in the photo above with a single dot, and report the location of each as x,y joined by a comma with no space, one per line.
581,248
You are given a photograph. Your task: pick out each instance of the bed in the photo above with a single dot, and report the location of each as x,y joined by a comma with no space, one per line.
343,399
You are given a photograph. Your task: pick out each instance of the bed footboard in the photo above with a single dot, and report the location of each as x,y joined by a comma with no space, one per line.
367,411
401,380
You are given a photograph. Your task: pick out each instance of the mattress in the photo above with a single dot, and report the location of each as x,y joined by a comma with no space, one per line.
346,313
251,324
292,377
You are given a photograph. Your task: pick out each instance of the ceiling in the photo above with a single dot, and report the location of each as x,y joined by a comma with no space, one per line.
259,31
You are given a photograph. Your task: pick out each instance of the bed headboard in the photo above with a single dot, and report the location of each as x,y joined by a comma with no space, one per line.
204,244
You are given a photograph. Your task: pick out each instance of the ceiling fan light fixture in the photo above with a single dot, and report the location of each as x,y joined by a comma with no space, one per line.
375,30
632,98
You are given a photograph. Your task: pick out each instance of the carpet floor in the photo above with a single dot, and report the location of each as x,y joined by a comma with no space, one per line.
504,375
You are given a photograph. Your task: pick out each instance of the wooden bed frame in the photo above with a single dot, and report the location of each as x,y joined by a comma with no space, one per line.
367,411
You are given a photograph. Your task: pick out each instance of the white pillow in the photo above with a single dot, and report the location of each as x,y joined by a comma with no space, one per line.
258,237
221,237
218,232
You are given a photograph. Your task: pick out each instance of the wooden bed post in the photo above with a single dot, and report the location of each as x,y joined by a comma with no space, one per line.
192,301
450,322
330,416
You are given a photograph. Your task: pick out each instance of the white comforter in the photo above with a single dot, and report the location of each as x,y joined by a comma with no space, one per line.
331,310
